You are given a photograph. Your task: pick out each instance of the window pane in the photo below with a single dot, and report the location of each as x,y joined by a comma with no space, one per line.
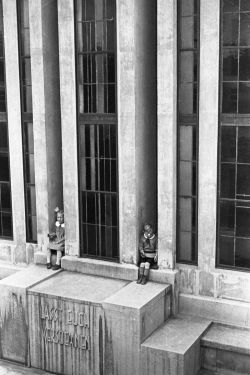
7,225
243,179
226,245
245,64
244,97
242,253
188,66
185,246
186,178
227,221
187,142
31,200
29,139
185,214
228,143
30,169
4,168
230,29
2,73
230,5
3,137
244,29
227,181
32,228
187,25
26,71
229,101
2,100
230,65
27,98
244,145
245,5
5,197
242,222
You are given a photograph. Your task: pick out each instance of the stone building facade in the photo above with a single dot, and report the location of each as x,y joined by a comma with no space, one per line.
123,112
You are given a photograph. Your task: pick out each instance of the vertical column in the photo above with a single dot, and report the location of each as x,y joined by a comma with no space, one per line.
15,128
126,130
46,113
208,131
167,127
69,123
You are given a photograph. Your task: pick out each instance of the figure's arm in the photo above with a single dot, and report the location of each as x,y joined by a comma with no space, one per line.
141,247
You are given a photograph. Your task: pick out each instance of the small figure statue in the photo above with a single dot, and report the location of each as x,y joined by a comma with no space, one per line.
56,240
148,253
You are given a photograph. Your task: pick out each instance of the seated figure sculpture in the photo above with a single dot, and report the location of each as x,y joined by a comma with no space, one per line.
56,240
148,254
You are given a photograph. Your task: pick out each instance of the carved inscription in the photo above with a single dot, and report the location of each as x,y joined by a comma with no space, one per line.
68,327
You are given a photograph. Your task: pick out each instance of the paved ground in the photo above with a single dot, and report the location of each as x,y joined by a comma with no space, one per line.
10,369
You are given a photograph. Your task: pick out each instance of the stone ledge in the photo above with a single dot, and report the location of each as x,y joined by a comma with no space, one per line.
8,270
216,309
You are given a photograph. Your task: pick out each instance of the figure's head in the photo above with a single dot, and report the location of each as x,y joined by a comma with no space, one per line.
60,217
148,230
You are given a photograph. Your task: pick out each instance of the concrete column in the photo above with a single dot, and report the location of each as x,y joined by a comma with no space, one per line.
167,100
208,131
15,128
69,123
46,113
136,82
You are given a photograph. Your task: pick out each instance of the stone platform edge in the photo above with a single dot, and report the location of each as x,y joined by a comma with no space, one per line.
109,269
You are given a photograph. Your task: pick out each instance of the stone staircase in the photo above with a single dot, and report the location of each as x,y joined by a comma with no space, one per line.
195,346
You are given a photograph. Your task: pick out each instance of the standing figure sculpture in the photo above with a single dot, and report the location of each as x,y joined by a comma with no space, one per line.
56,240
147,253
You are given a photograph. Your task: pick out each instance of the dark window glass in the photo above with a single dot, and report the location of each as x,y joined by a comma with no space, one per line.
188,62
228,144
27,125
234,137
5,184
236,61
96,78
231,5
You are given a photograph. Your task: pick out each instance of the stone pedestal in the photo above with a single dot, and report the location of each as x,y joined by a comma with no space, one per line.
14,340
67,324
132,314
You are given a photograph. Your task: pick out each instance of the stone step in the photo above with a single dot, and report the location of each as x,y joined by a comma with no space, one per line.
219,372
174,348
7,368
226,347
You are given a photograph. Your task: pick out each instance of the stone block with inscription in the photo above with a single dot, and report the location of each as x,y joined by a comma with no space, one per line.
67,323
14,340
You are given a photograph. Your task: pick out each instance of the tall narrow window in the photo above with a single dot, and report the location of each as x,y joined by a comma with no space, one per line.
5,185
188,61
233,243
27,119
97,127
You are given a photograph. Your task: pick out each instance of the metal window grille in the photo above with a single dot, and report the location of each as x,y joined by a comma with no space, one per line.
27,119
233,240
5,183
97,127
188,81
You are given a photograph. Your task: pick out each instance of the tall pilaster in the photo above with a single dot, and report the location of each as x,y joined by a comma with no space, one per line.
167,128
15,128
46,113
208,131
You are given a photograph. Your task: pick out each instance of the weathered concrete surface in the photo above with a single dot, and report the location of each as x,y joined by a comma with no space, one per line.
46,113
137,310
167,128
67,326
15,129
7,270
13,312
174,348
69,124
